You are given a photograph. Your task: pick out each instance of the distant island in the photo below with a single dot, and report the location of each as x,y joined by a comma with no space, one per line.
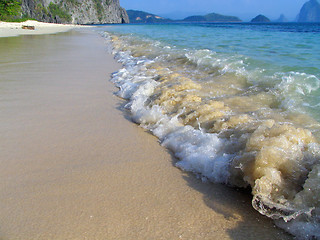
260,19
212,17
145,17
310,12
282,19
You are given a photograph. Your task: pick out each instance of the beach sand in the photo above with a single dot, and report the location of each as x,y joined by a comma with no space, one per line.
8,29
74,167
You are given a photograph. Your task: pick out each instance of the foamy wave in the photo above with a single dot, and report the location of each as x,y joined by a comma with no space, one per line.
222,63
295,85
224,128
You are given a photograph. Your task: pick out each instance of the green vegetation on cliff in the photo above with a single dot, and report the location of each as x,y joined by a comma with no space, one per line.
75,11
99,8
9,9
56,10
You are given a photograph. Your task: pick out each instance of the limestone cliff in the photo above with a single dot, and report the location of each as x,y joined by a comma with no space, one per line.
310,12
75,11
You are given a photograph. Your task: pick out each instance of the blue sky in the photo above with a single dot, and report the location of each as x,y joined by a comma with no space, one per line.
245,9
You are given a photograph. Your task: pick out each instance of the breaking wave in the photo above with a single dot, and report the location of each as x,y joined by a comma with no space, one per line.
229,123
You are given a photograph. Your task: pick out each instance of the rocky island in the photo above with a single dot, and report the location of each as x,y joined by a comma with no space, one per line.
260,19
310,12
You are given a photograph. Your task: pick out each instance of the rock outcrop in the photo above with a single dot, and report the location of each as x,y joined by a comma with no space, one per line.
75,11
310,12
260,19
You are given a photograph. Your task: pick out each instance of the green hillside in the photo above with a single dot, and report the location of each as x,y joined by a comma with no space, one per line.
144,17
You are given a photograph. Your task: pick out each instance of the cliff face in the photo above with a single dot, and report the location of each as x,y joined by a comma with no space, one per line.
75,11
310,12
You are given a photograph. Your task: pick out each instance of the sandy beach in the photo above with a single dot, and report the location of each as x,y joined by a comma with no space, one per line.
73,166
31,27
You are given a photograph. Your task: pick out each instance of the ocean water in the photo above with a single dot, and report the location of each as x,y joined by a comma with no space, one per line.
237,104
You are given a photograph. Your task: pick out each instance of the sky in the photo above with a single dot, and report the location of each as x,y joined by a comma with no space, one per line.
245,9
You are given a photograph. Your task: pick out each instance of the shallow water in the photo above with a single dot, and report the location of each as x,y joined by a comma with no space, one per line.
236,103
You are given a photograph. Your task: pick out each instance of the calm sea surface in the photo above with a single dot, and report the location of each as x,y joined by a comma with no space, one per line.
236,103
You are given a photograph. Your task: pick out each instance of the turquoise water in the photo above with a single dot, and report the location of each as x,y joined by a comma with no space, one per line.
269,52
236,103
286,47
275,43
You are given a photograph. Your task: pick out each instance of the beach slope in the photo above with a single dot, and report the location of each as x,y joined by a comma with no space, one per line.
74,167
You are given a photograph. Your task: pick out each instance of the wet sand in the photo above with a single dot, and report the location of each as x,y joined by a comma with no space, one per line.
74,167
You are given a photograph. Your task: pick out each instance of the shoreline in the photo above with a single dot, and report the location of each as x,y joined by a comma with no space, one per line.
73,166
12,29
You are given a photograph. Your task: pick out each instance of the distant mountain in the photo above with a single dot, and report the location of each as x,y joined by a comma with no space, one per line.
144,17
282,18
260,19
178,15
196,18
310,12
212,17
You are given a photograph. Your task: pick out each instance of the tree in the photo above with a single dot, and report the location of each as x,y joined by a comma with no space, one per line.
9,9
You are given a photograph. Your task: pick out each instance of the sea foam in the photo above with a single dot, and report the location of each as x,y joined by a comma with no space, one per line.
226,128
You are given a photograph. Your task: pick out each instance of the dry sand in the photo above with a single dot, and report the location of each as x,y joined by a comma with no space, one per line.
8,29
73,167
